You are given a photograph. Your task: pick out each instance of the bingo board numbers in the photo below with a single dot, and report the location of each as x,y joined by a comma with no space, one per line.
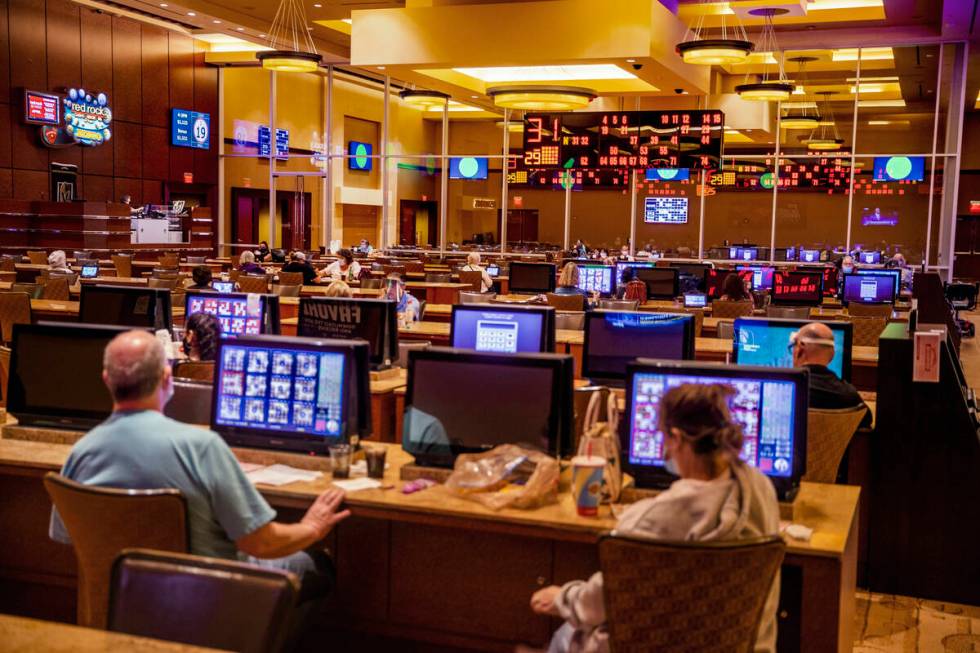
624,139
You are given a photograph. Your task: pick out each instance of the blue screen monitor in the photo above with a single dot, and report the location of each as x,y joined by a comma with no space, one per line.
622,265
223,286
695,300
899,168
765,342
869,258
743,253
614,338
596,278
769,403
493,270
89,271
790,253
468,167
809,256
667,174
761,276
190,129
868,289
665,210
503,329
896,275
359,156
238,313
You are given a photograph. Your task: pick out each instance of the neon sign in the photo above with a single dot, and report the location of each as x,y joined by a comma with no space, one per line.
87,118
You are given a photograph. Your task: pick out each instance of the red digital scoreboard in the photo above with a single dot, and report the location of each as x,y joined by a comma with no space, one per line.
41,108
624,140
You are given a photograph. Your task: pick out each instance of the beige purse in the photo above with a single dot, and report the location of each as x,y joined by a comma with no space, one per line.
602,439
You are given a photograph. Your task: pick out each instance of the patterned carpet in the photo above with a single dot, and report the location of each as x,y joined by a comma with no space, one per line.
899,624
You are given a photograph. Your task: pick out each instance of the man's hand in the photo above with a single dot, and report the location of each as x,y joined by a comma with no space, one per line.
543,601
323,514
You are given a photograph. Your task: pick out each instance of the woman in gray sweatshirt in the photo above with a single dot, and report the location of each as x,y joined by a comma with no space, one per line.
718,497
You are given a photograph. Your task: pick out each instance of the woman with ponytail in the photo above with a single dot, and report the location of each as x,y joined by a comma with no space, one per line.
717,497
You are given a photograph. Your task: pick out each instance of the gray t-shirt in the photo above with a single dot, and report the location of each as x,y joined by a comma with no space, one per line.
144,450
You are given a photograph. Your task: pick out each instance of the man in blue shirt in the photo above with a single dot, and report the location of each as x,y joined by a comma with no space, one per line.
139,448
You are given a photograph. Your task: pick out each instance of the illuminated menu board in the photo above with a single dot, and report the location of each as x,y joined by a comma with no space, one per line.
624,139
42,108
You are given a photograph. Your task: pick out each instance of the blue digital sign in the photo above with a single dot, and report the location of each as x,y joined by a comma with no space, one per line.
359,156
282,142
190,129
468,167
899,168
667,174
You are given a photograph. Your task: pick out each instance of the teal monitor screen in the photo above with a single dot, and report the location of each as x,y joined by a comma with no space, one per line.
468,167
359,156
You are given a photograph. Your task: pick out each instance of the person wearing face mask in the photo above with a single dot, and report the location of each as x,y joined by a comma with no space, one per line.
202,331
137,447
408,307
846,267
718,497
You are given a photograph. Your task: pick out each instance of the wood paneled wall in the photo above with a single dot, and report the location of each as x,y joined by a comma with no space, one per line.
52,45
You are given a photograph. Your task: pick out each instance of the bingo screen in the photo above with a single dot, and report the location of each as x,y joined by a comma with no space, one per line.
237,314
596,278
274,389
765,409
803,287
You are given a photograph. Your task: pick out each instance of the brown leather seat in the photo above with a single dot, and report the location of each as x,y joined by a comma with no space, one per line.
102,522
686,596
867,330
256,283
371,283
170,284
438,277
290,278
37,257
829,431
15,308
55,287
201,601
194,370
472,277
8,264
566,302
123,265
288,291
870,310
169,260
731,309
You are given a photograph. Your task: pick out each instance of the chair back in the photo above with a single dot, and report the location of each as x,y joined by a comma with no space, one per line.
698,319
101,522
208,602
234,274
394,269
866,330
788,312
165,273
287,291
472,277
870,310
371,283
570,320
726,330
686,596
15,308
291,278
169,260
37,257
618,305
32,289
194,370
156,282
197,260
81,254
828,432
475,297
414,266
731,309
4,373
566,302
8,264
56,288
123,265
404,347
257,283
438,277
191,402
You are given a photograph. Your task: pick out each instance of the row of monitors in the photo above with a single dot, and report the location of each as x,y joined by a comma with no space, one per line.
305,394
749,253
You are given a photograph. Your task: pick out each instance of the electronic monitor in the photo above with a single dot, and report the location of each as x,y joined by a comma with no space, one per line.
809,256
869,258
761,276
899,168
636,265
790,253
450,390
503,328
743,253
868,289
614,338
239,313
468,167
223,286
691,276
893,273
89,272
770,404
37,392
715,281
133,306
533,278
373,320
765,342
695,300
662,283
662,209
797,288
596,278
493,270
300,394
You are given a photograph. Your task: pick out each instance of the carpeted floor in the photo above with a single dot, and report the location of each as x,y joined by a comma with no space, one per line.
899,624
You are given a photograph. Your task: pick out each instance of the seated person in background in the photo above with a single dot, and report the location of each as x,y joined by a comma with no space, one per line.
581,250
202,331
58,262
339,289
248,265
408,307
898,261
473,265
137,447
262,253
846,266
634,290
343,269
684,252
734,290
201,274
718,497
365,247
298,263
624,253
568,284
813,348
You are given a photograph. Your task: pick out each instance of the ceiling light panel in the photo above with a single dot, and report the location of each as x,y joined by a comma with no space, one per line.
547,73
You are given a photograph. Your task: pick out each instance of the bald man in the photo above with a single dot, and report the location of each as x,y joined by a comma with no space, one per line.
813,348
137,447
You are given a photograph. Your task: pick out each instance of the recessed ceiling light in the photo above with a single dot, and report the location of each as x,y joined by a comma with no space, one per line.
317,5
240,29
164,5
381,67
216,22
474,97
631,61
261,36
547,73
191,13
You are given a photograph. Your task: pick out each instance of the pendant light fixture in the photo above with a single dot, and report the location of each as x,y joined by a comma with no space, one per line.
826,138
422,99
767,90
698,47
293,50
541,98
804,117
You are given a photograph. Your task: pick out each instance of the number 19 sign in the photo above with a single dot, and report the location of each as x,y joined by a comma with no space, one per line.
190,129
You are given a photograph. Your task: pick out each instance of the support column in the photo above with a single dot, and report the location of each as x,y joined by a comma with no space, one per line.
444,178
503,183
272,159
384,164
633,212
326,230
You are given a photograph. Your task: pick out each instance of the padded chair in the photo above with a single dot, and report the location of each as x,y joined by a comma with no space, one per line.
393,269
674,597
472,277
404,347
570,320
191,402
291,278
37,257
8,264
288,291
123,265
32,289
81,255
566,302
788,312
730,309
194,370
698,316
829,431
257,283
155,282
102,522
234,274
618,305
469,297
422,304
207,602
866,330
438,277
726,329
197,260
870,310
165,273
15,308
55,287
5,374
414,266
169,260
372,283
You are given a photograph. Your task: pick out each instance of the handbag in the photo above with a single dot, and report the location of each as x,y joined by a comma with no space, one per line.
601,439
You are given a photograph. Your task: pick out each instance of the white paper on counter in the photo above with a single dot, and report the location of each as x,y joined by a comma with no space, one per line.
281,475
355,484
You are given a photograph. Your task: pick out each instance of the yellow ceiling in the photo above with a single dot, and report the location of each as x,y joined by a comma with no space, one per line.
809,12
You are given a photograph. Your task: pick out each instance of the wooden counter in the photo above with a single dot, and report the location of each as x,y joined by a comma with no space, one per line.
20,634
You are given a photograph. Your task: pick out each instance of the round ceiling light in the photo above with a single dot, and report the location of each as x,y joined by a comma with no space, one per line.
293,50
824,144
541,98
714,52
797,120
289,61
422,99
765,91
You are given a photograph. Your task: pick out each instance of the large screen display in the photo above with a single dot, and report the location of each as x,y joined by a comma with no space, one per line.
878,217
41,108
766,343
190,129
468,167
239,314
869,288
498,330
665,210
667,174
596,278
899,168
359,156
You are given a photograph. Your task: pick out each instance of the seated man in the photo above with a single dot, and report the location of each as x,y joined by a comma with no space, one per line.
138,448
298,263
202,279
813,348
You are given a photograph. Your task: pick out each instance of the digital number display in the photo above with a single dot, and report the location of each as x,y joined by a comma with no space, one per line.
190,129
